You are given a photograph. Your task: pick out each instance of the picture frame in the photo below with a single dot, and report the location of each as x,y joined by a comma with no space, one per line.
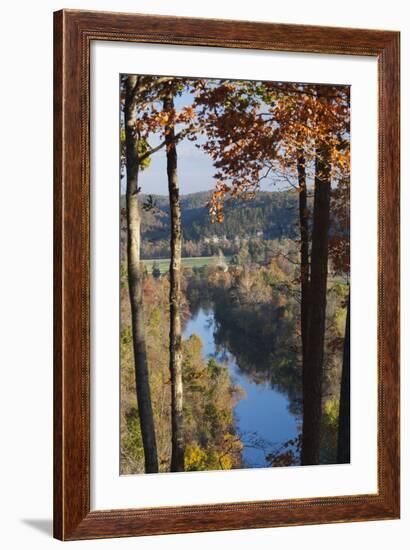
74,31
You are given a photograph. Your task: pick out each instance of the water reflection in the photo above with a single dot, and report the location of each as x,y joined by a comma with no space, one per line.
268,415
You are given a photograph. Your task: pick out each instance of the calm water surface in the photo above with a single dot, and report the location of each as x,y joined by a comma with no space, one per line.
263,414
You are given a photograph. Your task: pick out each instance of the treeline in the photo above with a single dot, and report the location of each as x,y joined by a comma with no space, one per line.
256,224
269,216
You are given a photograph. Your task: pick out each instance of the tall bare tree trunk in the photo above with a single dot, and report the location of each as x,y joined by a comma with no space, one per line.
312,379
343,444
175,344
304,254
135,276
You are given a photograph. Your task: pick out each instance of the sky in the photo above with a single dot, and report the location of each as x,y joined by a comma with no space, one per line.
195,172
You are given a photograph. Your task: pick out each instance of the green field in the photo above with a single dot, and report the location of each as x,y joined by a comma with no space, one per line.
163,263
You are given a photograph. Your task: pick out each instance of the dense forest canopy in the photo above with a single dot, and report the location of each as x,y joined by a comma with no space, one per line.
270,215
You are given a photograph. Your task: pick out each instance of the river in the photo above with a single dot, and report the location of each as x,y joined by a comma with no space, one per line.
263,419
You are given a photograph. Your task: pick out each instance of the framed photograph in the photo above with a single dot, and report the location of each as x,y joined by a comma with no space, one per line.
226,275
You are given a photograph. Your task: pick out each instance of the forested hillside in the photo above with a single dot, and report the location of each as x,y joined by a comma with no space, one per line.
274,214
268,216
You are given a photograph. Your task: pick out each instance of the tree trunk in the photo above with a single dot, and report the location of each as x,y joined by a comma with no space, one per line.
175,343
343,444
312,378
304,254
135,285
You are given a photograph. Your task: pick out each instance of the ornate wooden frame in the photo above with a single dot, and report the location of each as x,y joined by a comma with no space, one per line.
73,33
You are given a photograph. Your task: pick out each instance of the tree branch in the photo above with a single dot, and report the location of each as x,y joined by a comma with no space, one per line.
178,137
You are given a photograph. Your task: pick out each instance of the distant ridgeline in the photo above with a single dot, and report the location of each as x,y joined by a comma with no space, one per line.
267,217
270,214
